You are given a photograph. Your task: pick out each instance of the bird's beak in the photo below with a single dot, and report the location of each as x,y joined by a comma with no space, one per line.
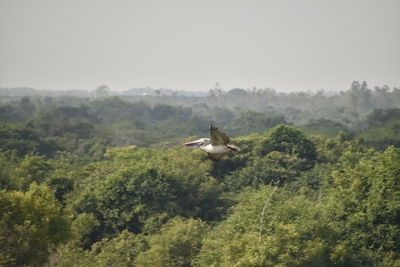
194,144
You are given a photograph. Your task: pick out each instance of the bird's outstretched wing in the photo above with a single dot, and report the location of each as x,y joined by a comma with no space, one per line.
215,157
218,137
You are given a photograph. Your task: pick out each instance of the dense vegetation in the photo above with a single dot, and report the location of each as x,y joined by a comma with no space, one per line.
101,180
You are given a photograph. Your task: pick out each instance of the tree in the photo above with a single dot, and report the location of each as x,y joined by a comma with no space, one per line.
325,127
177,244
255,122
290,140
366,200
383,128
274,168
31,169
31,226
352,222
7,165
102,91
27,108
24,140
139,189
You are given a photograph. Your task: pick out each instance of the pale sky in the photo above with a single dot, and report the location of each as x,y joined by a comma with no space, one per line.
191,45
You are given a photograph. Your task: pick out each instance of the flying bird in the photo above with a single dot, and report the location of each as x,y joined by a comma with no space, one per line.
216,147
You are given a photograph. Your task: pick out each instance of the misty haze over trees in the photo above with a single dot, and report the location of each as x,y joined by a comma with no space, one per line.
100,178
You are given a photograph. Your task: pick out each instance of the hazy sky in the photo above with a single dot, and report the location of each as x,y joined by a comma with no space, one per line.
191,45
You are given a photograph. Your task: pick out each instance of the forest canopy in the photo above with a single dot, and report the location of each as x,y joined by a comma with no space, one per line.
96,179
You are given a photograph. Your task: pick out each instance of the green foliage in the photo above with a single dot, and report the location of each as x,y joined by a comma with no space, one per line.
31,225
353,222
276,167
269,227
177,244
381,117
7,165
330,150
288,140
23,139
325,127
135,198
31,169
367,198
383,128
255,122
88,127
141,196
121,250
277,157
236,161
222,116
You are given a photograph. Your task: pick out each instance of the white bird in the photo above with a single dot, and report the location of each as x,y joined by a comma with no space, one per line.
216,147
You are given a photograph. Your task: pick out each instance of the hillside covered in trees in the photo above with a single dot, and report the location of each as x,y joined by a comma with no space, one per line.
102,180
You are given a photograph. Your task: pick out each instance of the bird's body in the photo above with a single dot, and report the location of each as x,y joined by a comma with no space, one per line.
218,149
217,146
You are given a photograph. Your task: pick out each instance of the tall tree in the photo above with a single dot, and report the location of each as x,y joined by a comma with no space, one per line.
31,226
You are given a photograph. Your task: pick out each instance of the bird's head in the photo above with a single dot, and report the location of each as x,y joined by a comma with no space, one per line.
198,143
